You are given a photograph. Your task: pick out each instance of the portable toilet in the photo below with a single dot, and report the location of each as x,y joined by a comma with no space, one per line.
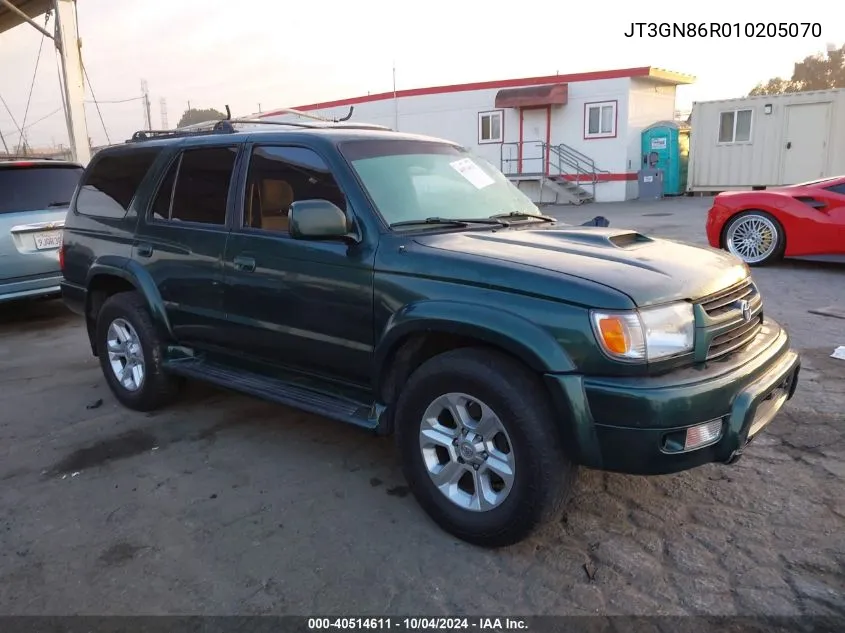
663,139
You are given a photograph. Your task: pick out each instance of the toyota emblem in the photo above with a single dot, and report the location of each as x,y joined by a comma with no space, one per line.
745,310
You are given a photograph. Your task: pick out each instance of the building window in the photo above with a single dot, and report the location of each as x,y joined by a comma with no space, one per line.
600,120
735,126
490,127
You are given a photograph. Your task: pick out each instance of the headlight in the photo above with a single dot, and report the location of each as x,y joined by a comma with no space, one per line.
646,335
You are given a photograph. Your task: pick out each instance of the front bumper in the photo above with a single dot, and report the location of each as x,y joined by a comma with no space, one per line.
627,424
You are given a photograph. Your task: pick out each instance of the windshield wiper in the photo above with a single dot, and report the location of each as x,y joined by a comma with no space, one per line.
453,221
58,204
522,214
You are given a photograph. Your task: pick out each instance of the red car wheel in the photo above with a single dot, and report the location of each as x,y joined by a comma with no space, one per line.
755,237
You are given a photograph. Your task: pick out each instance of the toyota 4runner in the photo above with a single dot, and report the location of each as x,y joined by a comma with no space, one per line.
401,284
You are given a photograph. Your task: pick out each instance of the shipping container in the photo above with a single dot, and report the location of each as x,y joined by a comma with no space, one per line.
766,141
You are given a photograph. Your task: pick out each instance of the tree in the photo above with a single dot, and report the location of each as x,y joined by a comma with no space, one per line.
816,72
193,116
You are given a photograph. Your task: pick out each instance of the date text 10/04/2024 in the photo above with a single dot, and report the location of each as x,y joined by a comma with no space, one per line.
418,623
724,29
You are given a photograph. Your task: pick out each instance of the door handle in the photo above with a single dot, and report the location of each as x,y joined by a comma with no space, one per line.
789,145
144,250
244,264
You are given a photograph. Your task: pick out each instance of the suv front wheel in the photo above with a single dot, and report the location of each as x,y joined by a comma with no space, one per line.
479,447
130,354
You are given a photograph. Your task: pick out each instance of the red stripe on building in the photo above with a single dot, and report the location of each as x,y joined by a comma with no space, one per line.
644,71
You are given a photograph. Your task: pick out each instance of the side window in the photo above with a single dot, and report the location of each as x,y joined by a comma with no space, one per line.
110,185
840,189
161,204
280,176
202,178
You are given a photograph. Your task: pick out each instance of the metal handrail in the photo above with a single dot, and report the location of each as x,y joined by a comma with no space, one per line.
584,167
516,154
555,160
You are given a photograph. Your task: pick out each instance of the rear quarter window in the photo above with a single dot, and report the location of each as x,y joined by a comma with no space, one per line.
109,186
36,187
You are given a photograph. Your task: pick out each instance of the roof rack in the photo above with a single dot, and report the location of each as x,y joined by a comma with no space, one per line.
331,125
217,127
227,126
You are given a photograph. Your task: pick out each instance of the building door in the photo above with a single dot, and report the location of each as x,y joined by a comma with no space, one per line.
534,124
805,142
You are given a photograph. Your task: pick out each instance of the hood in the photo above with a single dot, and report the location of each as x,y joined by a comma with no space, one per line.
648,270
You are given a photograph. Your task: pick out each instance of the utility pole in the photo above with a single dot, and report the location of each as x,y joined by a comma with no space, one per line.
145,94
70,48
163,107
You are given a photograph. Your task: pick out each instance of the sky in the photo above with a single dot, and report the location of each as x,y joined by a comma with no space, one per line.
282,53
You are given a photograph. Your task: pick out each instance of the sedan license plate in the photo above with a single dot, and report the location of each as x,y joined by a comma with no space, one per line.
48,239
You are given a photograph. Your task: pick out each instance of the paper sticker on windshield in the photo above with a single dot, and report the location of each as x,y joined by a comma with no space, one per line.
473,173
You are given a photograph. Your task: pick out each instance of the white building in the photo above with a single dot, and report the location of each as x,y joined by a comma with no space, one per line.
766,141
561,138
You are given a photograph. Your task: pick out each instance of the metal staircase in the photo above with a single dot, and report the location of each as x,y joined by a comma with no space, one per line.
560,172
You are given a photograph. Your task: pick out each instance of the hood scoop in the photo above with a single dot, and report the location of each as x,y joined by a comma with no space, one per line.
620,238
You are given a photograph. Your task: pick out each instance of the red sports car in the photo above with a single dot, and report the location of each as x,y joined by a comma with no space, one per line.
805,221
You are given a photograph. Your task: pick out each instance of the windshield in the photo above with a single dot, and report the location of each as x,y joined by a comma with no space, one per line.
414,180
36,188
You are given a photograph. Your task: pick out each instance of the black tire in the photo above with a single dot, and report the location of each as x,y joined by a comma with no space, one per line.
780,238
544,476
157,388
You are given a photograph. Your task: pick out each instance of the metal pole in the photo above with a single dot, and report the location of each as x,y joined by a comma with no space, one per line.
74,88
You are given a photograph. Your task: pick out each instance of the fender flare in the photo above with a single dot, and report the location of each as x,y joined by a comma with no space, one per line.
536,347
136,275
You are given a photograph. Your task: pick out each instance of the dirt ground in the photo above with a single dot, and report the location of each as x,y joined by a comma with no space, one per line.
229,505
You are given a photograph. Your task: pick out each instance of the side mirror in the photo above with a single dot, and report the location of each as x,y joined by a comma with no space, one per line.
317,220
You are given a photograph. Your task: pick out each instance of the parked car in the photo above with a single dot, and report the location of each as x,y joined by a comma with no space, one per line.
34,197
805,221
501,347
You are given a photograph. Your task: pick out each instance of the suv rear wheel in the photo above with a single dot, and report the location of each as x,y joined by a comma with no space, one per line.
130,353
479,447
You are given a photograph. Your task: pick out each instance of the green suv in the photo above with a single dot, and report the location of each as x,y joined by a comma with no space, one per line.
403,285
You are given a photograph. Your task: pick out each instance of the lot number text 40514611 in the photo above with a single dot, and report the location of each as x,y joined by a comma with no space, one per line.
769,30
418,623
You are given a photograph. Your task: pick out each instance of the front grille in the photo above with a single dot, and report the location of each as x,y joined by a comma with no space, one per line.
725,307
722,302
735,338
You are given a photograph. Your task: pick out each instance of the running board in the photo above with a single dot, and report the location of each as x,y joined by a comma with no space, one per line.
343,409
